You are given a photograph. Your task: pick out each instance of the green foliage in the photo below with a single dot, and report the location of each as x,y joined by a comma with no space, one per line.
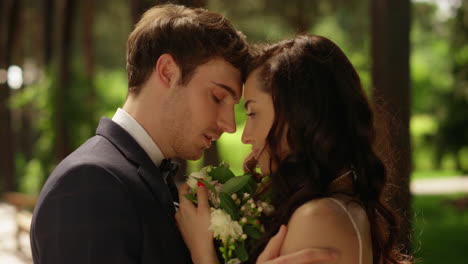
430,70
208,185
221,174
252,231
228,205
32,176
424,129
111,89
192,198
236,184
241,252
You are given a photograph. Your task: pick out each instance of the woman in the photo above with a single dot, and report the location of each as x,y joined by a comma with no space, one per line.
311,129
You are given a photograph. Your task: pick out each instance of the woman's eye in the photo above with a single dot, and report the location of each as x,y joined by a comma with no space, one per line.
216,99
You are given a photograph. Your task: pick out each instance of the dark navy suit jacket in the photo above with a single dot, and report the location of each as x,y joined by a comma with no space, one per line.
106,203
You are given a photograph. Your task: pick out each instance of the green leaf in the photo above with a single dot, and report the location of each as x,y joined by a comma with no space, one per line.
228,205
252,231
236,184
192,198
241,252
250,187
208,185
221,174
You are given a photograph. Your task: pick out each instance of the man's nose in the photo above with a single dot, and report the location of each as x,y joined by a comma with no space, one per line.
227,122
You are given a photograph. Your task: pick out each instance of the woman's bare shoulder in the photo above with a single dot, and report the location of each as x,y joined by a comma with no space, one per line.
321,223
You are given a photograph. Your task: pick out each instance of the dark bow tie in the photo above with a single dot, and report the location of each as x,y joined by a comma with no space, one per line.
168,169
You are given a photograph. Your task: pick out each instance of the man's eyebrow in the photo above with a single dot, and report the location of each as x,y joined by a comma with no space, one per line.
229,89
246,104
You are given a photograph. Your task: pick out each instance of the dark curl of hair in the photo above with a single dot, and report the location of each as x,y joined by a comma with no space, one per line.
322,109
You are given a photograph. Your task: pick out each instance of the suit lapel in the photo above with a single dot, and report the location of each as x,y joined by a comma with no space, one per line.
159,189
147,170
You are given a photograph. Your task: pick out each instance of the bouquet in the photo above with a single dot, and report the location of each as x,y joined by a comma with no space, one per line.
235,210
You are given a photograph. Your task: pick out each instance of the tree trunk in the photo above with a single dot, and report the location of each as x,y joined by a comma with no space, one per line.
9,13
66,28
26,132
47,30
89,55
391,96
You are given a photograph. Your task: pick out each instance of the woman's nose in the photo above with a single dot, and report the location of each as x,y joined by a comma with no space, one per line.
246,139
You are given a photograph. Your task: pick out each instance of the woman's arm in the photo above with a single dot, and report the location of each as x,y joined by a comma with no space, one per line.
193,223
271,253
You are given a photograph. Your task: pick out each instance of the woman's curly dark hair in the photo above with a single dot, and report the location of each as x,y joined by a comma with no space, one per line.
322,109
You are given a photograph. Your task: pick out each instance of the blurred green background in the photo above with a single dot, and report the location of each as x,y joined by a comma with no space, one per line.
71,58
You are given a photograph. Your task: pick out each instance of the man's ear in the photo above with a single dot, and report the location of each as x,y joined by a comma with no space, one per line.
167,70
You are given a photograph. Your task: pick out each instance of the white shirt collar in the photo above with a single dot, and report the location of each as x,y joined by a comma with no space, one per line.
127,122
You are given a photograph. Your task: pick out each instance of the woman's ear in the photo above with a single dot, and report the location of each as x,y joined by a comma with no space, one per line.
167,71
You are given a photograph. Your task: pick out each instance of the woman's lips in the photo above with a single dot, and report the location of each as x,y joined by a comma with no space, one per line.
207,140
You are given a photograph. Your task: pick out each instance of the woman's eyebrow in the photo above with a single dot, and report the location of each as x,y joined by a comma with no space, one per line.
246,104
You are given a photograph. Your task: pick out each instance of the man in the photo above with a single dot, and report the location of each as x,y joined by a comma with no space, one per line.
112,200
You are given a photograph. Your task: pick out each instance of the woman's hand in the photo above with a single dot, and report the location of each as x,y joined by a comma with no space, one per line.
193,223
270,254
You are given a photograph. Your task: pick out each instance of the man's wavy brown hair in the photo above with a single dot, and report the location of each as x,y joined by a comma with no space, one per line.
192,36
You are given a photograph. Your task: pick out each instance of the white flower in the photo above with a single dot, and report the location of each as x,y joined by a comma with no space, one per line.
207,169
234,261
223,226
267,208
224,163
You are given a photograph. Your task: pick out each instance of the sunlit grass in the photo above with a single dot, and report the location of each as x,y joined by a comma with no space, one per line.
440,230
421,174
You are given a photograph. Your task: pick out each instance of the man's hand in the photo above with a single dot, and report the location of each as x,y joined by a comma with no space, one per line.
270,254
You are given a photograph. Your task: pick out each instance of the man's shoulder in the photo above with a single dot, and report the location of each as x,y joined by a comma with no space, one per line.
95,161
97,152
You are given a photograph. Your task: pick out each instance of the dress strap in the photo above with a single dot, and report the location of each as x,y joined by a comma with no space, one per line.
354,225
